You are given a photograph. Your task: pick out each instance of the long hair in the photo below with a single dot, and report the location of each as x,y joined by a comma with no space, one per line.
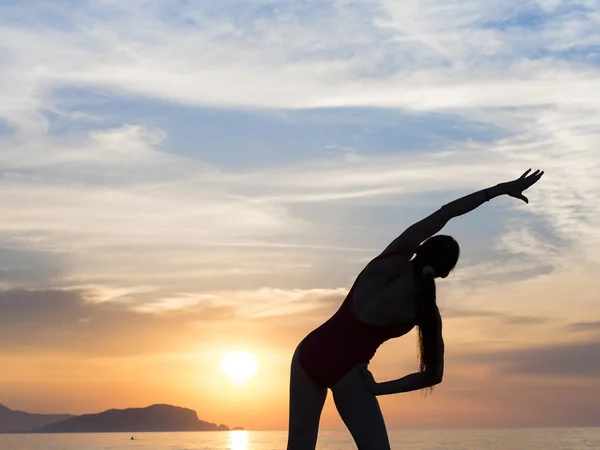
441,252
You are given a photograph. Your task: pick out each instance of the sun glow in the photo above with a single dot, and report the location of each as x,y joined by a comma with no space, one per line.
238,440
239,367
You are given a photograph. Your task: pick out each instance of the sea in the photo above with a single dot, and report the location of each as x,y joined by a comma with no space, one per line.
510,439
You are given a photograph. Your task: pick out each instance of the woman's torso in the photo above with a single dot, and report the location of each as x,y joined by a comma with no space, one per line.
379,306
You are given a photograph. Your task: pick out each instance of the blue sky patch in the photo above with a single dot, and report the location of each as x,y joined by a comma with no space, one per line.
55,15
254,138
533,17
5,130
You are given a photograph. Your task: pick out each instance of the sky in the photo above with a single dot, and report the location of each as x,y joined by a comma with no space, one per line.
182,179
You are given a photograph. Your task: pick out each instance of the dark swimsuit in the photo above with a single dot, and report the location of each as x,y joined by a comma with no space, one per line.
331,350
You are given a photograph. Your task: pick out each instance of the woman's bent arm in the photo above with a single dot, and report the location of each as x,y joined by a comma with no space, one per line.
412,382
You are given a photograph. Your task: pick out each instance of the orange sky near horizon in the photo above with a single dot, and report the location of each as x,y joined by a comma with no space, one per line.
477,391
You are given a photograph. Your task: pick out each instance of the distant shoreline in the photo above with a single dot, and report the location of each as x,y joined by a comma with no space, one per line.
157,418
119,432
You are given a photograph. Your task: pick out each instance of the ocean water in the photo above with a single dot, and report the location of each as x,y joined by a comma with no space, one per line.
513,439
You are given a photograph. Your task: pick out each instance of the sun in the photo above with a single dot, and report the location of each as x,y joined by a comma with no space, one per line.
239,367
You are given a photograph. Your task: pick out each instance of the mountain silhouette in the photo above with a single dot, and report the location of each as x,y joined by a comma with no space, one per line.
151,418
18,421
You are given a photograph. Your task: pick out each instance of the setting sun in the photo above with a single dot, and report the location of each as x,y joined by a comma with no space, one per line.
239,367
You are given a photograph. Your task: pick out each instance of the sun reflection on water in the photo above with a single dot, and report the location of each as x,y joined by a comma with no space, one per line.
238,440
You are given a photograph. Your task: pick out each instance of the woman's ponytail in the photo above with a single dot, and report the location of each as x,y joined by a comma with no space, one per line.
429,324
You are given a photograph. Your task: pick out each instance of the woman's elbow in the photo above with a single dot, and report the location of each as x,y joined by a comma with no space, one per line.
434,378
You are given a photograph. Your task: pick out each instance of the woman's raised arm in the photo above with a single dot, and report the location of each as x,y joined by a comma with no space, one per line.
407,243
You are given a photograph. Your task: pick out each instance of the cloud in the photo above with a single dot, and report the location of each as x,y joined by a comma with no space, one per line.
420,56
63,321
265,303
584,326
29,267
509,319
98,319
122,210
561,360
26,305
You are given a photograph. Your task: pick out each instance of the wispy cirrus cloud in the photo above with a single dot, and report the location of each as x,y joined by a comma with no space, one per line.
420,56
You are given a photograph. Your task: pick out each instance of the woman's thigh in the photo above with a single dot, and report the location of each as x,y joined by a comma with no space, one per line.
306,405
360,411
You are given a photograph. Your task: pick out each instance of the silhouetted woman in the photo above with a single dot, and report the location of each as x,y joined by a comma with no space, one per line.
394,293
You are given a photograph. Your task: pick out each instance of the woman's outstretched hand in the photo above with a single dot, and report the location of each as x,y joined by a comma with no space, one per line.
516,187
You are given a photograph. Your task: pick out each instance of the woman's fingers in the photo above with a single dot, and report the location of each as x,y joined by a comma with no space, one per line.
525,174
537,174
535,177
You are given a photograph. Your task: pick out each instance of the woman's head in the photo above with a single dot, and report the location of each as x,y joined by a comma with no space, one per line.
440,252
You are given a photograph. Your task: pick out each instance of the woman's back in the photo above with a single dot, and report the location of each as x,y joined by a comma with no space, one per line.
384,292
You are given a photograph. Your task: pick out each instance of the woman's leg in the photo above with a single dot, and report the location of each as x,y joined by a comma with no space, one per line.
306,404
360,411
